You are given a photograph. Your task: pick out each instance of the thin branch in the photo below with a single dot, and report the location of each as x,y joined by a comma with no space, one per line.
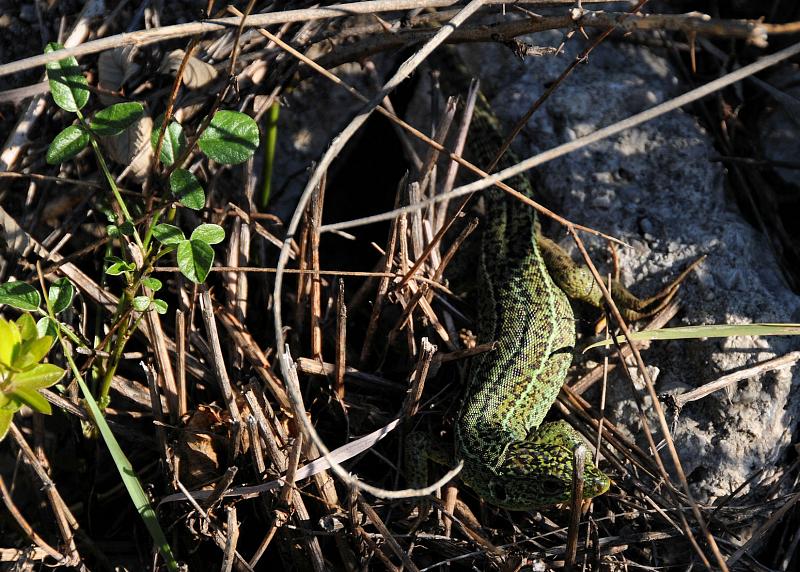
678,401
656,405
580,142
340,455
289,370
221,373
341,341
428,141
166,33
27,528
753,31
404,71
65,520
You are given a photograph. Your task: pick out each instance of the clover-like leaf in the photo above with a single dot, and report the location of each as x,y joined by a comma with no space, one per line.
71,141
20,295
67,84
126,228
5,422
174,141
168,234
10,340
160,306
46,327
141,303
187,189
60,295
153,283
116,118
195,258
231,138
208,233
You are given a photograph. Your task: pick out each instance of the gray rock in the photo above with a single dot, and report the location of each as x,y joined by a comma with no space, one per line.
654,187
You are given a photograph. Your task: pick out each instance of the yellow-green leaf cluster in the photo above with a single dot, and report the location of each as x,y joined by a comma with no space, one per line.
21,374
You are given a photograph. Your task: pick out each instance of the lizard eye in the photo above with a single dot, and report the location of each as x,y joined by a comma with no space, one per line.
551,486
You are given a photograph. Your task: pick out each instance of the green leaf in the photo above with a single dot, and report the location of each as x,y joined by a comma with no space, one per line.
60,295
141,303
195,258
44,327
27,327
39,377
67,84
20,295
10,340
117,266
153,283
5,422
9,402
231,138
160,306
32,352
187,189
71,141
174,141
117,118
168,234
208,233
33,399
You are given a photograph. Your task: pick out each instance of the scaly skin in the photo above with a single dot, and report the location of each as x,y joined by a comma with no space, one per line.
511,459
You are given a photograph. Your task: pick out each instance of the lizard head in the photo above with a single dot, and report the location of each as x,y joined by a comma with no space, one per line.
533,475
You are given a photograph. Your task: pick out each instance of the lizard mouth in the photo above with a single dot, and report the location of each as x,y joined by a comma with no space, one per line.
595,485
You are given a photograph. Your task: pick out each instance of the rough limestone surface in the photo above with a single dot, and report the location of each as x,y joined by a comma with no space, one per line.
655,187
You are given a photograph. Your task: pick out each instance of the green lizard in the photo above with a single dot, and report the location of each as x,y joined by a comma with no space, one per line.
511,459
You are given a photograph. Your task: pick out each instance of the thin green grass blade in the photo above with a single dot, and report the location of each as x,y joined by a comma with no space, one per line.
708,331
269,154
129,479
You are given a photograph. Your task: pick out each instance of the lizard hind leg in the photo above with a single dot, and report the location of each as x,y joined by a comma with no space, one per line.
420,449
578,283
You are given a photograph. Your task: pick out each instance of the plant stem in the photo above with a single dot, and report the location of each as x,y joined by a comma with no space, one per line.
148,235
119,347
110,179
269,154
